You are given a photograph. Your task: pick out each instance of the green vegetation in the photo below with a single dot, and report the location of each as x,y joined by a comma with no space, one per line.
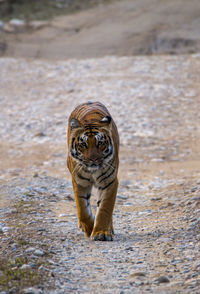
40,10
23,242
12,275
23,206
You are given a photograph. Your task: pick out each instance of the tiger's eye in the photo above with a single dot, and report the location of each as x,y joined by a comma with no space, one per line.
101,143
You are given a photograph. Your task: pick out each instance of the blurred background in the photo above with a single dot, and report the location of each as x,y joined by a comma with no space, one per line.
62,29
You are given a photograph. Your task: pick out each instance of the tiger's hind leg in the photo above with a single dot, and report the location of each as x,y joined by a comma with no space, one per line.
85,217
103,227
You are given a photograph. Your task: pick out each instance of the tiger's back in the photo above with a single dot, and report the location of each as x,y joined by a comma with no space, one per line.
93,145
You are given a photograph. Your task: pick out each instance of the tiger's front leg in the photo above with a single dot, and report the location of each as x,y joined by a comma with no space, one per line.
103,227
85,217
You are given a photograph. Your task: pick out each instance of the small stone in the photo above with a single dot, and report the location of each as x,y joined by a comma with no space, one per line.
139,283
42,268
5,229
12,290
30,250
156,198
104,251
196,198
41,230
194,189
39,252
31,291
63,215
122,197
25,267
138,274
14,210
50,261
40,134
33,265
17,22
163,279
36,175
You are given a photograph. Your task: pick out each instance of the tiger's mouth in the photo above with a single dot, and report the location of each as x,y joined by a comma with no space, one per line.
94,165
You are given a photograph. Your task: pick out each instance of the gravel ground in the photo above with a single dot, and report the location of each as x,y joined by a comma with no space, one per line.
155,103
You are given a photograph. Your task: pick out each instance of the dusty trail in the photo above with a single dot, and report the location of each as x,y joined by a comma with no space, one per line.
155,103
121,28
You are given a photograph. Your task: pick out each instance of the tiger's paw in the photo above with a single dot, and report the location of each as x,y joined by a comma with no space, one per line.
86,228
102,236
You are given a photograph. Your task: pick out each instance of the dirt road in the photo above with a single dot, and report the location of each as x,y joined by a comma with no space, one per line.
121,28
155,103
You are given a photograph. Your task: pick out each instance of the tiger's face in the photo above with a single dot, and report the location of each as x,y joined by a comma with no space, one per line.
92,147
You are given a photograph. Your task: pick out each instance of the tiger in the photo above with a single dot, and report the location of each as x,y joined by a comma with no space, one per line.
93,147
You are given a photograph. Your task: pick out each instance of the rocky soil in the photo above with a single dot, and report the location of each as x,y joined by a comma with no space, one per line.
155,103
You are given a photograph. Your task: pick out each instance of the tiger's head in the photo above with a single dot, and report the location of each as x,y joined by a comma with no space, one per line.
91,143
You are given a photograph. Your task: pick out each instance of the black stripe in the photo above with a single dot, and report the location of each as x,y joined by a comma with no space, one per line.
110,144
87,197
82,178
73,139
79,110
83,111
107,155
105,187
85,170
90,127
93,132
81,107
96,112
76,155
98,203
103,174
106,177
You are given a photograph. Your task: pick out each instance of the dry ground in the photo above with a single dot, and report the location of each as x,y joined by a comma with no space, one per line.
121,28
155,103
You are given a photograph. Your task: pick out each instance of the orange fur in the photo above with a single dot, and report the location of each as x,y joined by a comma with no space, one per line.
93,145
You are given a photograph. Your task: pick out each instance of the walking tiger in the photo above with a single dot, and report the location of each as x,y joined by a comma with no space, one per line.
93,144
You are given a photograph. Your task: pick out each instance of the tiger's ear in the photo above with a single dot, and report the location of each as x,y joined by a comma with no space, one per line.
106,119
74,123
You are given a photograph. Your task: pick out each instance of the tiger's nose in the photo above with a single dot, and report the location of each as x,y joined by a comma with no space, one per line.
94,159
